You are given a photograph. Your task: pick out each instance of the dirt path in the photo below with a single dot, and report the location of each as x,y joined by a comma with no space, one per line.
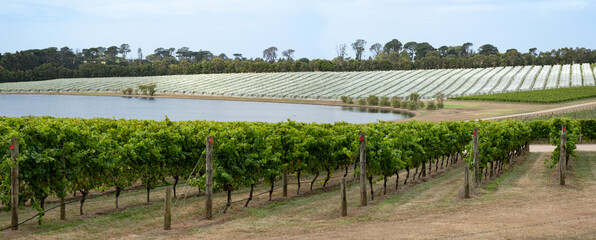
576,107
550,148
470,110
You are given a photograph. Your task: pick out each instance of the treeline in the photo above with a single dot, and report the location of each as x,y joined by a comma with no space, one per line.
51,63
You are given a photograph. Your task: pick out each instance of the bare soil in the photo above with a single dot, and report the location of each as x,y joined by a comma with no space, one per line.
470,110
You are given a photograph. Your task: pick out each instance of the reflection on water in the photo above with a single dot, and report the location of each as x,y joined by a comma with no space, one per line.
143,107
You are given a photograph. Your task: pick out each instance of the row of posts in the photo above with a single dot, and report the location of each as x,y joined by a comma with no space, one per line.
562,162
14,149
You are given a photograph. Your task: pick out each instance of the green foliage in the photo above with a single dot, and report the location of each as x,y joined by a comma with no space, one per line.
583,114
361,101
395,102
60,156
431,105
346,99
572,128
555,95
384,101
404,104
372,100
498,142
440,97
148,89
414,97
420,104
53,63
412,105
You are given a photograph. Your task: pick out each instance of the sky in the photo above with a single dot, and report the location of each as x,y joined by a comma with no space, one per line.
313,28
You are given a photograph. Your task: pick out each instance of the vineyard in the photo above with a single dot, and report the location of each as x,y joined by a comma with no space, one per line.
60,156
538,96
332,85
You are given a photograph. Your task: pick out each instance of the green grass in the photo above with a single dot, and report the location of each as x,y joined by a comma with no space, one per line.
510,174
538,96
584,114
585,167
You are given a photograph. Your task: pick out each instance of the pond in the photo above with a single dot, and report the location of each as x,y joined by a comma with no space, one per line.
79,106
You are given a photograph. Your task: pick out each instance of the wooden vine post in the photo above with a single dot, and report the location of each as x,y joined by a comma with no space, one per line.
62,199
563,155
209,178
466,181
344,200
167,217
476,160
362,169
14,184
285,184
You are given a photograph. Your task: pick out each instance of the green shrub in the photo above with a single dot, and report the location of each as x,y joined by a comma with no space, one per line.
439,97
404,104
420,104
440,105
395,102
414,97
412,105
384,101
344,99
148,89
372,100
431,106
362,101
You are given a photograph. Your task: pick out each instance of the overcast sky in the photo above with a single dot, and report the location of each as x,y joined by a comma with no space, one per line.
311,27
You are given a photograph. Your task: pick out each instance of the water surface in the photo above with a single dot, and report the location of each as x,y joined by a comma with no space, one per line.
17,105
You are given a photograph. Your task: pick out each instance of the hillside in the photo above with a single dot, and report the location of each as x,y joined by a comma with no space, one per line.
332,85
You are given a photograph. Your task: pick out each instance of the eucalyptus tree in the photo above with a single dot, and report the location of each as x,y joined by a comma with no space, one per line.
359,47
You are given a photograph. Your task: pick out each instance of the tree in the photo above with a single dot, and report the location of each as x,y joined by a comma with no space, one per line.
270,54
112,52
410,47
443,51
422,49
182,53
201,55
140,52
67,56
488,49
238,56
513,57
375,49
466,49
124,49
392,46
289,54
341,51
532,52
358,47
